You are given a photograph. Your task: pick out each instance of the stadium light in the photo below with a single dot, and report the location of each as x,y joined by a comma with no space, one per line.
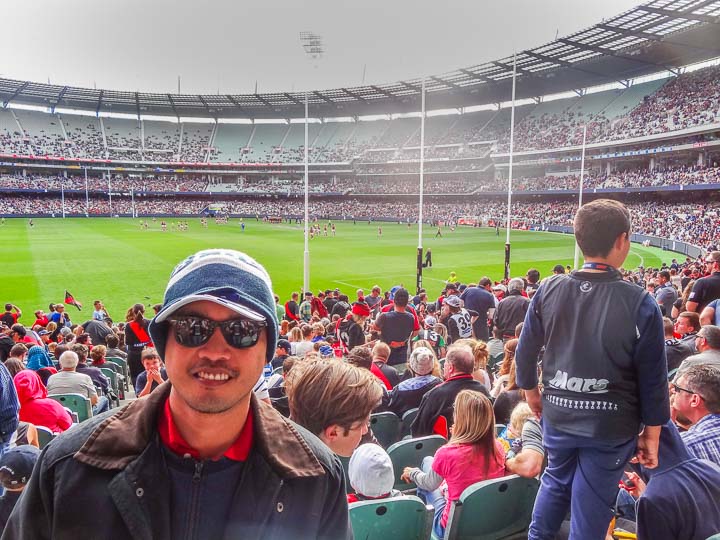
510,171
312,43
418,283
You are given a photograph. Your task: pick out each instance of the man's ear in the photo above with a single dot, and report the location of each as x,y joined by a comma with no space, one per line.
330,433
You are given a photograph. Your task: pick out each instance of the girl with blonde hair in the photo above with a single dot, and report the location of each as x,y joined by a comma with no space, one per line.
472,455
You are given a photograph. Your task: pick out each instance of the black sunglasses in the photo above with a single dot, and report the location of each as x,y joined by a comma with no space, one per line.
193,331
681,389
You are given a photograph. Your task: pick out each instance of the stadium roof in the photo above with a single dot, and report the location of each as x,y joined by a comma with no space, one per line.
657,36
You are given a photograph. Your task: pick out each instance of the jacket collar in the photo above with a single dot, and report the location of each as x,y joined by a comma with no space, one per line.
121,438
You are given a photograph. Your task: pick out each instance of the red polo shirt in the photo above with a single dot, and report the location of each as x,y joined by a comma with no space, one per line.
170,436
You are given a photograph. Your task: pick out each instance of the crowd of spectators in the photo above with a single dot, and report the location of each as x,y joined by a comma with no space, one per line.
113,183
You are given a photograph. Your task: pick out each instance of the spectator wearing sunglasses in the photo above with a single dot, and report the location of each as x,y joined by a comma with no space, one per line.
200,453
696,403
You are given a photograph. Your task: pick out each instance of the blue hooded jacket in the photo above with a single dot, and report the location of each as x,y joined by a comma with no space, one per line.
682,499
37,358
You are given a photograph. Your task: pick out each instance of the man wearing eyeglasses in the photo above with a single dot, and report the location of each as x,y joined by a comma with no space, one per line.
201,456
696,402
706,289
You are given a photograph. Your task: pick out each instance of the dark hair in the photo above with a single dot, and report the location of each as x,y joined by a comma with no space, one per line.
112,341
14,366
360,356
81,351
664,274
598,224
401,297
8,307
83,338
19,329
533,275
18,349
692,317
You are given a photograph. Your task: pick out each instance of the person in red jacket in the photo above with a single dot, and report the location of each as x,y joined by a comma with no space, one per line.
36,407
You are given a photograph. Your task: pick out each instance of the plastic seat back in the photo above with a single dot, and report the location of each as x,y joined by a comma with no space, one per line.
493,509
386,428
410,453
407,420
44,436
396,518
77,403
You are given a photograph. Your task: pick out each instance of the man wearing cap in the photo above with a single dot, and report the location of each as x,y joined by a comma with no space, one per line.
16,466
396,327
706,289
200,453
282,351
480,299
459,321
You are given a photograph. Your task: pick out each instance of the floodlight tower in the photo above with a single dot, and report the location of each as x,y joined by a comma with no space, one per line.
312,44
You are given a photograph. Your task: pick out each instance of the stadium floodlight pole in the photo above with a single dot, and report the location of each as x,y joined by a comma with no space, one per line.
87,198
132,198
62,196
312,43
418,283
306,253
510,170
580,194
109,194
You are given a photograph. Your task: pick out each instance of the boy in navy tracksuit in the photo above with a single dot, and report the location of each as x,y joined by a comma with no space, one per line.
604,376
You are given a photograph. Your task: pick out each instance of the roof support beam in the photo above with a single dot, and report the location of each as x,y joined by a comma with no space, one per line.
353,95
16,93
207,107
58,98
237,104
477,76
172,104
264,101
682,14
510,68
384,92
446,83
612,53
323,97
295,100
137,104
99,103
564,63
657,39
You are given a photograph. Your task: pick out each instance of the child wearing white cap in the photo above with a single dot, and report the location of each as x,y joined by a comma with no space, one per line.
371,474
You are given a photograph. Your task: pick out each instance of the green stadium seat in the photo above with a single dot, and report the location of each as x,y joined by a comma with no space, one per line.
114,384
410,453
77,403
44,436
407,421
396,518
125,369
493,509
386,428
494,362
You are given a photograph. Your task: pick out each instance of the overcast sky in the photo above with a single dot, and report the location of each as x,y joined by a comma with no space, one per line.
226,46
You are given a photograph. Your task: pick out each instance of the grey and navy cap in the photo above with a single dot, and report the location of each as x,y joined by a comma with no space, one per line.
226,277
16,466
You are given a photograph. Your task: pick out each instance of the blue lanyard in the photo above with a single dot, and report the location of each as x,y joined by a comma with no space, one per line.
598,266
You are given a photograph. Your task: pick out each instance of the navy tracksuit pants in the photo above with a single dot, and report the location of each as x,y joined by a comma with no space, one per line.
582,476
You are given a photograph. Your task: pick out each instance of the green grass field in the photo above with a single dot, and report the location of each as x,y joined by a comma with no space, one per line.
114,260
